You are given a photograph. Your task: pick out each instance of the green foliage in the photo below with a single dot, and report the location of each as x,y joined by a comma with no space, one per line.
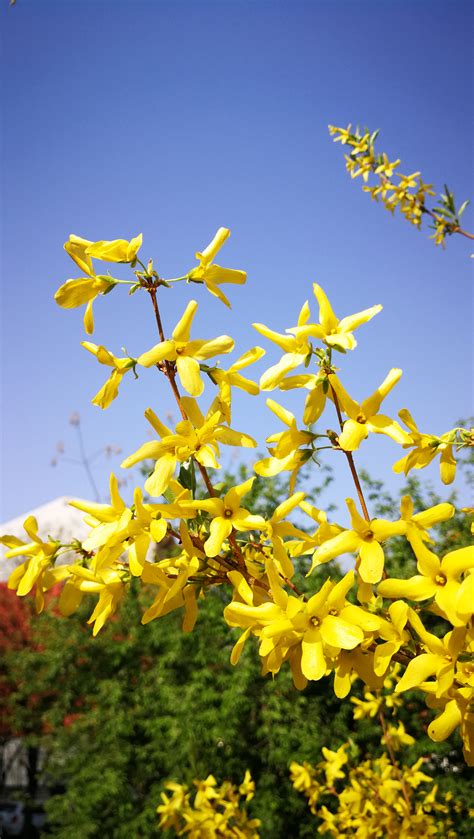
120,714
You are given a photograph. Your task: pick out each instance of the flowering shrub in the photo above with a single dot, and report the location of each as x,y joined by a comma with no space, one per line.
364,626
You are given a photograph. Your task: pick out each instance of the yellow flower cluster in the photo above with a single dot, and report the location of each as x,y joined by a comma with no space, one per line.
408,193
216,812
356,627
372,798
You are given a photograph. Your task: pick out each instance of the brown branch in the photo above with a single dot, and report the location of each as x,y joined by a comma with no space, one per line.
350,458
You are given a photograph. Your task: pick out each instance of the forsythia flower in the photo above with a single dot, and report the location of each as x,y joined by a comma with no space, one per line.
334,332
286,455
297,351
38,568
75,293
196,437
308,634
365,417
437,578
213,275
186,354
426,447
419,523
109,390
365,537
228,515
227,379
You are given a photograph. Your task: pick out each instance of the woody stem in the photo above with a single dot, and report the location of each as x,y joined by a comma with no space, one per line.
170,373
350,459
394,760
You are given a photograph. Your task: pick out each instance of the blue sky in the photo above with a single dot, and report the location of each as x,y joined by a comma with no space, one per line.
174,118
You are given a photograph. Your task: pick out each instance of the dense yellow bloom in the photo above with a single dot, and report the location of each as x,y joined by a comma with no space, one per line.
213,275
308,634
364,417
366,537
336,333
217,812
185,353
37,570
120,366
426,447
117,528
228,515
437,578
196,437
108,583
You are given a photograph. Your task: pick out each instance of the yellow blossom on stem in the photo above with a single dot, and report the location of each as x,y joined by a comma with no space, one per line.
109,391
227,379
336,333
228,515
213,275
364,417
366,537
426,447
296,351
185,353
286,455
437,578
197,437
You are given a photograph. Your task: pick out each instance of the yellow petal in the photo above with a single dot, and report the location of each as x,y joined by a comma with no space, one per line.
313,663
371,405
76,247
158,482
208,254
89,319
352,435
183,327
371,562
189,374
219,530
327,318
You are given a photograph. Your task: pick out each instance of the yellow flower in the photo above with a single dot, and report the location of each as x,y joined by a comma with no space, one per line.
365,417
336,333
227,379
308,634
38,568
186,354
109,390
297,351
438,579
118,250
316,398
365,537
286,455
426,447
196,437
117,528
419,523
213,275
439,660
108,583
228,515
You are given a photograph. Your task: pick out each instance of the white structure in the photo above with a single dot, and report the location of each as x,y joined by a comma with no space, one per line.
56,519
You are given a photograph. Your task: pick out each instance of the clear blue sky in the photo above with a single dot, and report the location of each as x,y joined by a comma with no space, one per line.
173,118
